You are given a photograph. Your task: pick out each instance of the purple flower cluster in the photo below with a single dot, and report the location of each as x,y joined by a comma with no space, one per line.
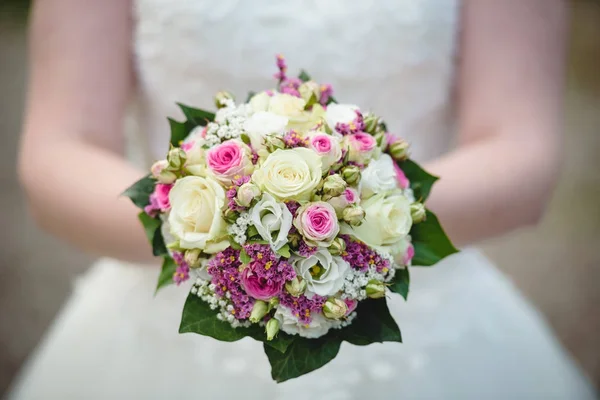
290,86
292,206
282,66
225,271
361,257
326,93
305,250
182,272
303,307
232,193
355,126
272,267
294,139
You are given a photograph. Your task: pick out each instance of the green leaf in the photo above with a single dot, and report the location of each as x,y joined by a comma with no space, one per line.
140,191
159,248
373,323
166,273
420,180
400,283
252,231
244,257
251,94
197,116
179,132
284,251
245,139
430,241
304,76
150,225
331,100
233,244
198,318
281,342
302,356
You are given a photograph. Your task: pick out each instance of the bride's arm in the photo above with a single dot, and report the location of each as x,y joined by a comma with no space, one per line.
71,164
510,118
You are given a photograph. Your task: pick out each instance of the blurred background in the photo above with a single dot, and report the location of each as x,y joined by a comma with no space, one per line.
557,264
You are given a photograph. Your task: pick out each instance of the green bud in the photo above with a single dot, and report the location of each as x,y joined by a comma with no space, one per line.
338,246
167,177
399,150
353,215
176,158
272,328
221,98
351,174
230,216
296,286
294,240
274,142
259,310
417,212
273,302
371,123
334,308
334,185
375,289
192,258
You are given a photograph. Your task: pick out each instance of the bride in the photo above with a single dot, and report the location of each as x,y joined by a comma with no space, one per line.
485,76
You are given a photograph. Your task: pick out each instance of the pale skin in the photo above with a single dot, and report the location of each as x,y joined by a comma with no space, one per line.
498,178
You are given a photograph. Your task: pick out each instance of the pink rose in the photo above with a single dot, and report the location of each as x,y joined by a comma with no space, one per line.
318,223
159,200
257,287
327,146
228,160
400,177
351,196
360,146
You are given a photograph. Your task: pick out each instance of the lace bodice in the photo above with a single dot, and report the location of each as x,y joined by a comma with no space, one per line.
394,57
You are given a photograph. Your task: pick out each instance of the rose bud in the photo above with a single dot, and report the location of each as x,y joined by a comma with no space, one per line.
176,158
259,310
334,308
274,142
338,246
274,302
351,174
230,216
296,286
192,258
399,150
334,185
309,91
417,212
222,97
371,123
161,173
353,215
272,328
246,193
375,289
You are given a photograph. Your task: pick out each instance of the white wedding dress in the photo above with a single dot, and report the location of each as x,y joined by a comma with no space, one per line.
468,333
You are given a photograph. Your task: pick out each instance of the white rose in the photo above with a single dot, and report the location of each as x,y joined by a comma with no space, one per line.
260,102
327,146
286,105
324,274
261,124
378,177
340,113
387,222
195,162
272,220
289,174
195,216
289,323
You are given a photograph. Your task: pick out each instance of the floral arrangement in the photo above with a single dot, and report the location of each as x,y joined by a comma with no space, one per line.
293,217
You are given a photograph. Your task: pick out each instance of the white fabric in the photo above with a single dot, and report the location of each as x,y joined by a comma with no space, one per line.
467,332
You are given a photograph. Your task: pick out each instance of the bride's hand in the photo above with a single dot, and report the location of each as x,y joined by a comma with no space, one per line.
71,163
510,96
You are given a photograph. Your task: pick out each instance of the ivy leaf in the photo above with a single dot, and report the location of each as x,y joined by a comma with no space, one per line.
373,324
430,241
178,132
420,180
159,248
198,318
331,100
281,342
401,283
244,257
140,191
304,76
166,273
302,356
152,227
284,251
196,116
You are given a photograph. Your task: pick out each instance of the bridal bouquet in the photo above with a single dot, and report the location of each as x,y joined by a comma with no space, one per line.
293,217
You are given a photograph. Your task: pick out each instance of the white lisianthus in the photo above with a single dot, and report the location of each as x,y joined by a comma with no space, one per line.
260,102
387,222
378,177
324,274
289,174
289,323
261,124
272,220
195,218
340,113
